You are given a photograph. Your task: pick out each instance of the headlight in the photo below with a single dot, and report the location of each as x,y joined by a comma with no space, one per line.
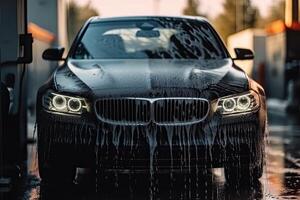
59,102
241,103
65,104
229,104
74,105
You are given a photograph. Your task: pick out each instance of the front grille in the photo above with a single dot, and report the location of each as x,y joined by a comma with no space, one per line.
142,111
180,110
125,111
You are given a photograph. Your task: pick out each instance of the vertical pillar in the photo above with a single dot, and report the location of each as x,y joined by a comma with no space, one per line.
292,13
14,137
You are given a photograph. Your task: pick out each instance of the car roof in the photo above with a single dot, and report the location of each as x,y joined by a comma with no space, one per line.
123,18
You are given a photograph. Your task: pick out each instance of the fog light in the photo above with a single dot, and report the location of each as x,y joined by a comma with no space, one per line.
229,104
74,105
243,102
59,102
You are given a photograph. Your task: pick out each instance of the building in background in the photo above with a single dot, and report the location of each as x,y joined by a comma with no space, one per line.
48,24
50,15
283,61
39,70
277,62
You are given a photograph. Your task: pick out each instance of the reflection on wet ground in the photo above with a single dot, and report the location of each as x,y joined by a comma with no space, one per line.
281,179
182,188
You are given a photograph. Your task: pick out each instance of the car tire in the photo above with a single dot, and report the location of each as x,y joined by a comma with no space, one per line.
51,171
238,175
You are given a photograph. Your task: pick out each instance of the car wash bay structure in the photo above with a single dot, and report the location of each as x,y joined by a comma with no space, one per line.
46,22
13,130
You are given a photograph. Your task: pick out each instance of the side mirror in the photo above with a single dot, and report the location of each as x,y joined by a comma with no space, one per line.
54,54
243,54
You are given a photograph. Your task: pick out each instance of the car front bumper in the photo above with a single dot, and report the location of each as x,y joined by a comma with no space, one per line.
85,142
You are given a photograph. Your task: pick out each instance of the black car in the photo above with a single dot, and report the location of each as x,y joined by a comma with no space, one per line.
150,94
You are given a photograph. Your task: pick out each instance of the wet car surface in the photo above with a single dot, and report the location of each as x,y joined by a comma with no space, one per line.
153,95
281,179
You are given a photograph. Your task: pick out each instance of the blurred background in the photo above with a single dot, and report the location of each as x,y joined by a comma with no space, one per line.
271,28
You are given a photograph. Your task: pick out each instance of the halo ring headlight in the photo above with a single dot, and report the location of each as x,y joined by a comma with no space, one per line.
229,104
59,102
243,102
74,105
238,103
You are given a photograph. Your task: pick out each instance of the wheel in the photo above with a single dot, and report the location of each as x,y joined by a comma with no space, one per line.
51,171
205,174
243,174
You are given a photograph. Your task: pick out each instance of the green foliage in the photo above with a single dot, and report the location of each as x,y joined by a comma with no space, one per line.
192,8
237,15
77,16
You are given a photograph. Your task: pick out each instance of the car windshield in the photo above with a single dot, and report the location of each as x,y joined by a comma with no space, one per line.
158,38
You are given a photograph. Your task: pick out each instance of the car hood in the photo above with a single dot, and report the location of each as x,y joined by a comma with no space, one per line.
142,77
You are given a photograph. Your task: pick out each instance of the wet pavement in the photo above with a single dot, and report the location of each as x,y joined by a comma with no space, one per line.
281,179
